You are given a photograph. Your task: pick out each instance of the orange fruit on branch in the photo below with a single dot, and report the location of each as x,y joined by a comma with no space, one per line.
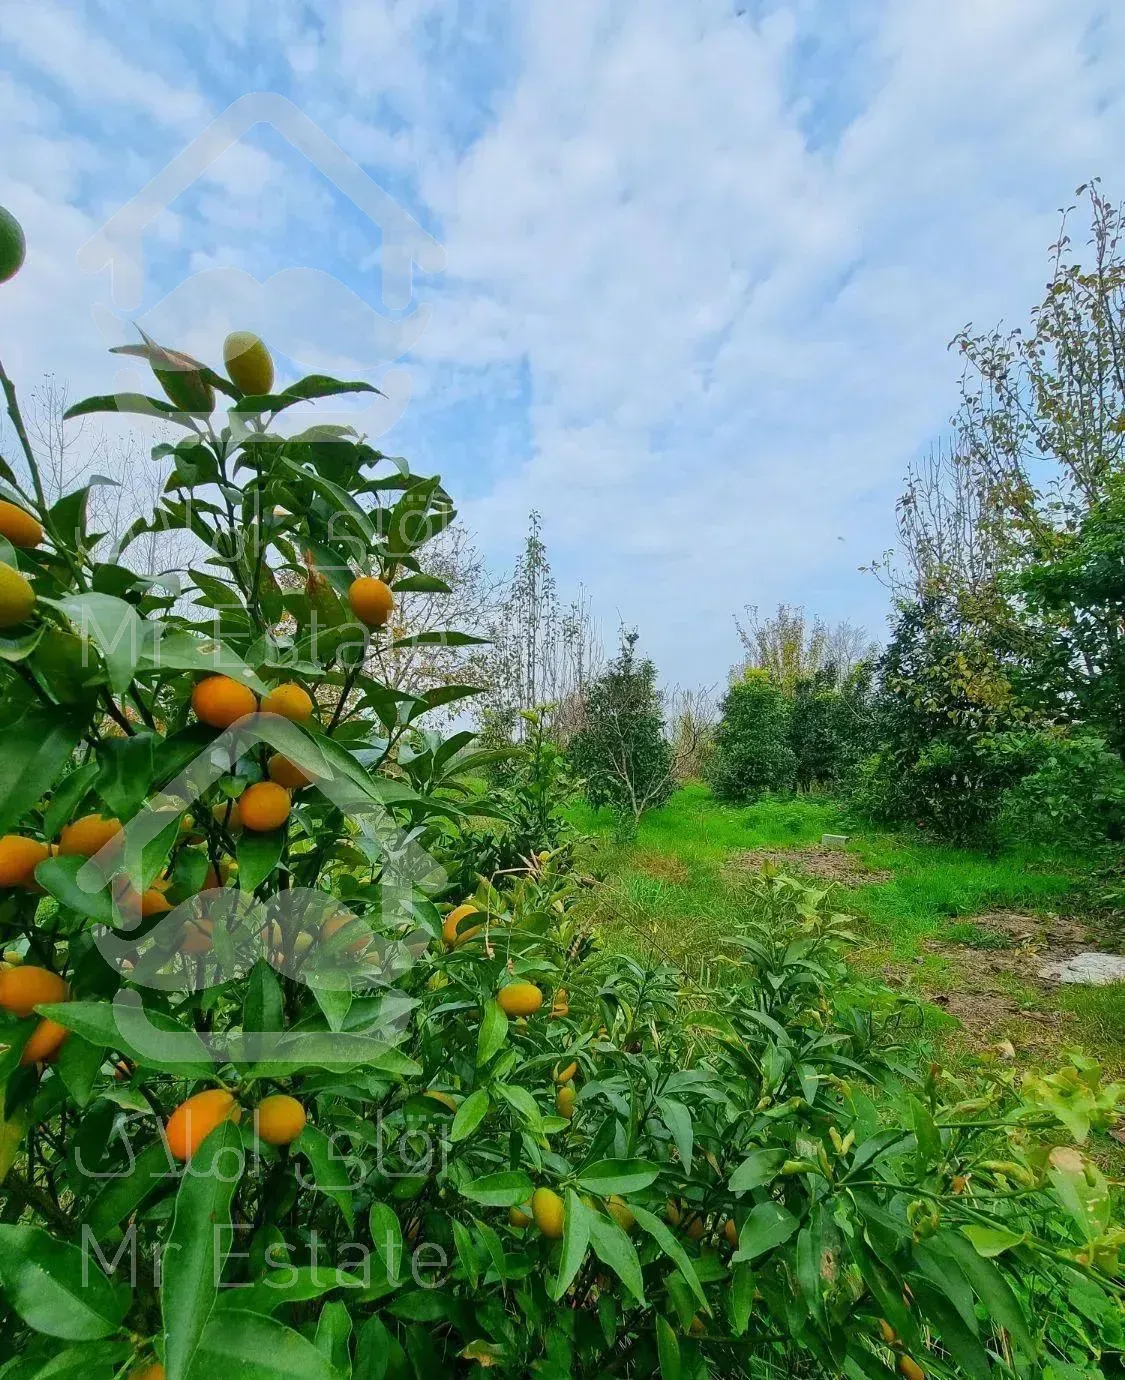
264,806
249,363
17,598
197,937
547,1209
621,1212
519,999
279,1119
565,1075
89,835
287,773
565,1099
371,601
449,929
517,1217
46,1041
19,526
19,857
335,923
221,701
290,701
24,988
194,1120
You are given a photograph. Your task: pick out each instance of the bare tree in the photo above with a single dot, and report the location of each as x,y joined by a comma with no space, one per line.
790,645
542,654
691,719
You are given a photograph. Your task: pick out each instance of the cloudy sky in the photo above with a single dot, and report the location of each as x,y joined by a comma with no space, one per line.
687,269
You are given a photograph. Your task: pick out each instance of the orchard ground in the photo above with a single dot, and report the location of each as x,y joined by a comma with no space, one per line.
965,931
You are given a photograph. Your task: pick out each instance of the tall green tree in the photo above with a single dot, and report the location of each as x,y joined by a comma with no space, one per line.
621,751
753,749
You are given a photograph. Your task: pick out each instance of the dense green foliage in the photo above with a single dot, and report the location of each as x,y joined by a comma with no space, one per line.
620,751
753,742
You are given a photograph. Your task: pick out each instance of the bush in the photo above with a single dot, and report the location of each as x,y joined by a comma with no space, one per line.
1072,795
752,752
621,752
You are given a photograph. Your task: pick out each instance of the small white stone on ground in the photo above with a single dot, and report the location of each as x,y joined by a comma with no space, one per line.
833,840
1091,969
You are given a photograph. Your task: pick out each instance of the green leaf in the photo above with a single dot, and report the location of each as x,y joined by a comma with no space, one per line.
993,1241
672,1249
135,1031
136,403
329,1170
190,1261
576,1241
509,1188
125,778
677,1118
741,1298
421,584
311,386
757,1170
421,1305
258,855
447,637
333,1333
288,1284
386,1235
120,1197
57,1289
768,1225
956,1336
113,626
925,1132
59,876
79,1063
240,1345
469,1115
523,1103
667,1349
66,797
37,748
263,1007
375,1349
618,1176
493,1033
991,1288
613,1248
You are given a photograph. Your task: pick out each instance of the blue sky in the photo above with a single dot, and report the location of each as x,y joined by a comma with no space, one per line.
702,258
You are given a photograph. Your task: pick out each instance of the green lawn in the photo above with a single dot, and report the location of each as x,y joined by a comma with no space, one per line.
936,920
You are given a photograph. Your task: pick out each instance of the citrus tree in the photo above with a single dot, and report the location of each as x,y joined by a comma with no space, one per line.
279,1101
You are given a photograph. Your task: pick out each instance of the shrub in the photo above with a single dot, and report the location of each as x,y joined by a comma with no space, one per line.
1073,793
752,752
621,752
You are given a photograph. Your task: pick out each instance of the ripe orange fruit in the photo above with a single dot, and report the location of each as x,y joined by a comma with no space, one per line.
17,598
197,936
290,701
13,246
518,1218
279,1119
150,902
547,1209
194,1120
335,923
249,365
19,857
226,815
19,526
565,1075
560,1004
153,1372
449,928
565,1099
220,701
520,999
46,1040
910,1369
371,600
695,1229
887,1333
264,806
672,1212
86,836
621,1212
24,988
287,773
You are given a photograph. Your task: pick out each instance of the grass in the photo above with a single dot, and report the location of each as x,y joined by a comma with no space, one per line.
922,916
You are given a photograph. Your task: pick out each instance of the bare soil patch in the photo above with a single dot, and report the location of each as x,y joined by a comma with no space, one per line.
825,864
665,867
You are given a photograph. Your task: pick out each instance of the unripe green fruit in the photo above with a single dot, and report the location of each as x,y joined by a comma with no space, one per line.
13,246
